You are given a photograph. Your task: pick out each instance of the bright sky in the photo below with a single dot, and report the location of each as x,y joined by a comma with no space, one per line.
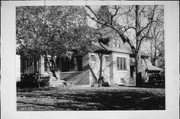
145,47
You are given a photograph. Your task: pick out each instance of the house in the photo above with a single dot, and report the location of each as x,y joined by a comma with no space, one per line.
115,57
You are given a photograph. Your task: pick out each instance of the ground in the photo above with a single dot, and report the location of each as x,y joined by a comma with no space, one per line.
90,98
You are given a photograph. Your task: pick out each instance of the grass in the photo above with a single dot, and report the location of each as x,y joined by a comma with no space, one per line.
81,98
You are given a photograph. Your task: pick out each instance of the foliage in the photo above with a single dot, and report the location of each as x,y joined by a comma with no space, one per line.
53,30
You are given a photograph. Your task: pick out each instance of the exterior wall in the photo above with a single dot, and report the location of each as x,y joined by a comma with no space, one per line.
85,62
91,67
42,67
143,68
121,77
109,69
111,66
18,73
94,67
86,68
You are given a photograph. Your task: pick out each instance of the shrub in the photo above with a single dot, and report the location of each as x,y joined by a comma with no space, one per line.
105,84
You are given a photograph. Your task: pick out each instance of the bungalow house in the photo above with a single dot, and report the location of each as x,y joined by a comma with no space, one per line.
117,64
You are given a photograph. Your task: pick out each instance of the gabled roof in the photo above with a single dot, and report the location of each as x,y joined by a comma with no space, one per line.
112,35
102,47
99,47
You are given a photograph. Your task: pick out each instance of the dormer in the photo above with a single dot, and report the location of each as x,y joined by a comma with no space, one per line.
114,40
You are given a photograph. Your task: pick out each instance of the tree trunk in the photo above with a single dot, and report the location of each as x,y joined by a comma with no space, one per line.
101,79
54,69
153,61
138,73
155,55
39,73
101,61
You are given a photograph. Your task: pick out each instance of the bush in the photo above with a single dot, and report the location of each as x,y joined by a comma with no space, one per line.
44,81
105,84
31,81
157,80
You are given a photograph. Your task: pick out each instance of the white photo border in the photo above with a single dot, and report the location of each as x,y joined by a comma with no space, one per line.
8,51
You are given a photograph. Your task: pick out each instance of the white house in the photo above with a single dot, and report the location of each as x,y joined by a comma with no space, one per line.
117,64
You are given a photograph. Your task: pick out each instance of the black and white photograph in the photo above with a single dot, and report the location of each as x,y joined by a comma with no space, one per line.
91,57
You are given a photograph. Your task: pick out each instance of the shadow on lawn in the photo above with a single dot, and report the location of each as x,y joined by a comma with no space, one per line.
98,100
117,101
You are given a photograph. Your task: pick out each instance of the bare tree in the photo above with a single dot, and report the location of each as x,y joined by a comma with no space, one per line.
157,43
138,18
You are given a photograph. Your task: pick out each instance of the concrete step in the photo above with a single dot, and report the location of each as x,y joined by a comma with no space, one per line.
76,78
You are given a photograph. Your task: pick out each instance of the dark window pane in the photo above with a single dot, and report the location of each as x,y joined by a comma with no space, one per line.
125,67
121,63
118,65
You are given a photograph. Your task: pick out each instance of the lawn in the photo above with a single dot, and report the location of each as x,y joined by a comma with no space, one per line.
87,98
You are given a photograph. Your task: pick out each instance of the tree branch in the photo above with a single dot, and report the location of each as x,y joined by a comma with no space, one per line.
139,32
150,19
129,27
120,33
142,10
112,16
92,11
143,37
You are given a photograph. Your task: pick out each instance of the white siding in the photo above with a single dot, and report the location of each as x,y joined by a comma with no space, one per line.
121,77
18,74
109,69
95,66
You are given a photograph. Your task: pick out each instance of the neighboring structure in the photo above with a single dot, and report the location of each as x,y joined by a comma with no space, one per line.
117,64
18,75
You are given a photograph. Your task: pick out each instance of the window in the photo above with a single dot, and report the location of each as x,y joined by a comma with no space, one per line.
116,43
121,63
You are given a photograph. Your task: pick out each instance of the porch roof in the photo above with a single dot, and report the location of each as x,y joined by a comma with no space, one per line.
153,68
